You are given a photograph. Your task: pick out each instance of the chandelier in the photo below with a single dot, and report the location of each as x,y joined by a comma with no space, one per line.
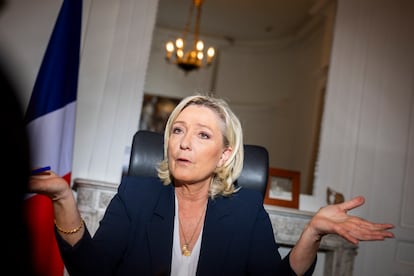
189,58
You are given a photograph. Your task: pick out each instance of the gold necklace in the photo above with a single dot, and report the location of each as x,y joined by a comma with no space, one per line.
185,249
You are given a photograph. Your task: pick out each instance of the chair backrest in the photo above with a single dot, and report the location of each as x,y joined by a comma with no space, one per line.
148,150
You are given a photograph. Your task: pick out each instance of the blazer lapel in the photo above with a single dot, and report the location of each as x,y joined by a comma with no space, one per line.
218,227
160,232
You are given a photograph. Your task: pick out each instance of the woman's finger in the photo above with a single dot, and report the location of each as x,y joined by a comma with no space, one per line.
352,203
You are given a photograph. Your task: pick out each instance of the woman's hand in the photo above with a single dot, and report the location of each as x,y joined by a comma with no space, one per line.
66,213
333,219
49,184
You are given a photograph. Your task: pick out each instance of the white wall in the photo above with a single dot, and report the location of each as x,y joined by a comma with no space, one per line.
367,145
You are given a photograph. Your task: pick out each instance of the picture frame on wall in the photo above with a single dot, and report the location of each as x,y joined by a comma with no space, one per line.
155,112
283,188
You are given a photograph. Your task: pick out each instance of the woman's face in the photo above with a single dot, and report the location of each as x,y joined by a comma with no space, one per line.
195,145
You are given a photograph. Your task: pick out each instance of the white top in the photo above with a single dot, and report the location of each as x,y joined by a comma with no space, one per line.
183,265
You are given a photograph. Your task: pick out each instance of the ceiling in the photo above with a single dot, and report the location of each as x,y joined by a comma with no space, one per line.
240,20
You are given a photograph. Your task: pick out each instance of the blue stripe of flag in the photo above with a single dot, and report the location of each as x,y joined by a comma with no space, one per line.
57,80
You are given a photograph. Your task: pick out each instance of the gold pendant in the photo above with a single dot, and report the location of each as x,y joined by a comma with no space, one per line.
185,251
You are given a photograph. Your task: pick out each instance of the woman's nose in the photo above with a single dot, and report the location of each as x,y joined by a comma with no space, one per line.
185,142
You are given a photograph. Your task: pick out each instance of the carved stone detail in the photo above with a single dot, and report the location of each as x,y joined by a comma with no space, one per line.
93,197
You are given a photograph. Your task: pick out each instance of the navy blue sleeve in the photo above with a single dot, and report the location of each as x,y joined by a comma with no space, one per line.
101,254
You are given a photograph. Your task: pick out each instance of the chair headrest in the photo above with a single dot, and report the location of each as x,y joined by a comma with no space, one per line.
148,150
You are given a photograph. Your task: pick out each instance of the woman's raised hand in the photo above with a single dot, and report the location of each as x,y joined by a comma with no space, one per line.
334,219
49,184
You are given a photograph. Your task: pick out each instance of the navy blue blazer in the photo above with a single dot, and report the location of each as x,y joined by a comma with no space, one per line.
135,236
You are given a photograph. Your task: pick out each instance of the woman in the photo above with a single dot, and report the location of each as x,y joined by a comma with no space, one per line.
192,220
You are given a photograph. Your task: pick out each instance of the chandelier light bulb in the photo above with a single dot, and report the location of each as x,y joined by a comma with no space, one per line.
200,45
211,52
169,47
179,43
180,53
200,55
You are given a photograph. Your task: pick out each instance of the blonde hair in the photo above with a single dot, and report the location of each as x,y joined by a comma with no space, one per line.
224,176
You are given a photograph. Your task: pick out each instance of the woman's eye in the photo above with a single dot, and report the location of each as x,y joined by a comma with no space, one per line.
176,130
204,135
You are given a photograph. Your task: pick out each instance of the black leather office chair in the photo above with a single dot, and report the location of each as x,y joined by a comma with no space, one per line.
148,149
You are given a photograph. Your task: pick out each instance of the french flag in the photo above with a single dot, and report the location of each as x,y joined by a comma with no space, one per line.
50,121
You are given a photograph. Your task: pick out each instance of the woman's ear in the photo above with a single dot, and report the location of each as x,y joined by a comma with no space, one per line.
224,156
